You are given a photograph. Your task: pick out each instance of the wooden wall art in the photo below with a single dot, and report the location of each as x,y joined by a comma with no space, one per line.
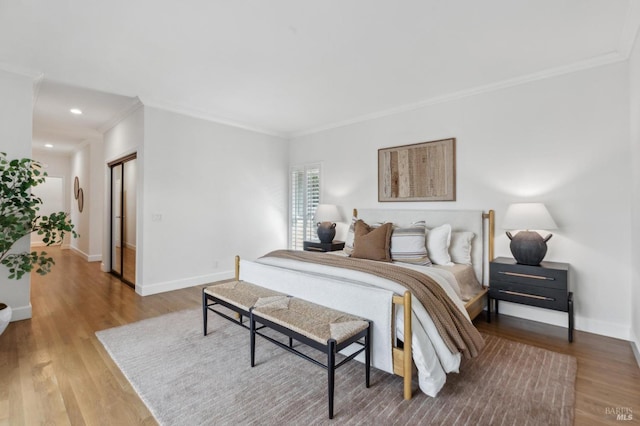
419,172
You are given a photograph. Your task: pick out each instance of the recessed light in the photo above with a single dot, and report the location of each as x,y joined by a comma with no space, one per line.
75,111
48,145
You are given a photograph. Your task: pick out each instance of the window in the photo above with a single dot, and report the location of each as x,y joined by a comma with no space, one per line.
303,201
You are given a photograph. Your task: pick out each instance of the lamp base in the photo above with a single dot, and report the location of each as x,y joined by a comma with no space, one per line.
528,247
326,231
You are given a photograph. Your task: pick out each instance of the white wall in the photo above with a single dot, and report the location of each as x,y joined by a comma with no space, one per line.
87,164
634,74
94,200
81,167
16,106
210,192
562,141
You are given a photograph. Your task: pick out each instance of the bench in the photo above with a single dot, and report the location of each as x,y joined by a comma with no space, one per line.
316,326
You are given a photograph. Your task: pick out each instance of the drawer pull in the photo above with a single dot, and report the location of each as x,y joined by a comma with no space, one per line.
531,296
536,277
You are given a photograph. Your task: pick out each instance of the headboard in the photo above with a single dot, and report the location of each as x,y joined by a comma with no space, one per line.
479,222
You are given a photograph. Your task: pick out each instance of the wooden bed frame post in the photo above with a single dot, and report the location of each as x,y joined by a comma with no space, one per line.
408,353
403,358
492,228
237,268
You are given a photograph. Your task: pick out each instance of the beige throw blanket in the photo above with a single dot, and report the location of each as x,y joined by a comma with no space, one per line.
456,330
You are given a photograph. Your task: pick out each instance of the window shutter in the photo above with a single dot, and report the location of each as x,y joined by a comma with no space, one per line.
304,199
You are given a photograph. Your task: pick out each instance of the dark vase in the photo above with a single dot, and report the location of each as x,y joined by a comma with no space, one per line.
326,231
528,247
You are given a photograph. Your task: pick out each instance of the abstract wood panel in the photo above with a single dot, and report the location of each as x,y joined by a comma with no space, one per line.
419,172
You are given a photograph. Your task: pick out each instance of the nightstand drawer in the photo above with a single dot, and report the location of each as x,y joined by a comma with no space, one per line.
529,275
530,295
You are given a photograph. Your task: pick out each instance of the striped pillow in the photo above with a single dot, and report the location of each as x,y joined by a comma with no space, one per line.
408,244
348,242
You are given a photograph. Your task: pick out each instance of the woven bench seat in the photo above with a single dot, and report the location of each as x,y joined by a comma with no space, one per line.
241,294
313,321
317,326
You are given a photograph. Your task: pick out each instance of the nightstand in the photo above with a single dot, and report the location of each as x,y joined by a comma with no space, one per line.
318,246
544,286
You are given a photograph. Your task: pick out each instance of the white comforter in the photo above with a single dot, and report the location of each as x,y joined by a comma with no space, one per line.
430,354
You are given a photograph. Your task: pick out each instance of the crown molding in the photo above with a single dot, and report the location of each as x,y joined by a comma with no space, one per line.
195,113
606,59
34,75
630,29
82,145
20,70
37,84
121,115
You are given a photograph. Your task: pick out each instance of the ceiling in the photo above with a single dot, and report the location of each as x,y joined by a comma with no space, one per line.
54,124
289,67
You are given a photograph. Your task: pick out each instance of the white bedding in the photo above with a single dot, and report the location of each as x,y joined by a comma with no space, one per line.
361,294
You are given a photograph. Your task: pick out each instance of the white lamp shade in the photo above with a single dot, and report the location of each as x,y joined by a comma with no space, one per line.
327,213
521,216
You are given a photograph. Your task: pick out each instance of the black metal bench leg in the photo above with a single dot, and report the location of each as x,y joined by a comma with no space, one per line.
570,308
331,369
205,312
252,328
367,354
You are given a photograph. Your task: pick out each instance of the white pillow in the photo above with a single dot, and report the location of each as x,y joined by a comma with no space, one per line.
460,247
438,240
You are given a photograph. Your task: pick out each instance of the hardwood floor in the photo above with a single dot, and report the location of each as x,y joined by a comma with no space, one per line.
53,370
608,377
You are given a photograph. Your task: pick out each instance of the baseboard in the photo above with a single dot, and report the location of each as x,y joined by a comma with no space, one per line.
635,342
21,313
65,246
87,257
603,328
149,289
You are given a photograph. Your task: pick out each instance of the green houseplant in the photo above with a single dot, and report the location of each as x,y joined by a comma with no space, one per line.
19,218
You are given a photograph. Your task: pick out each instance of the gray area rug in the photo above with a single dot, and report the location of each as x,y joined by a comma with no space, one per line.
185,378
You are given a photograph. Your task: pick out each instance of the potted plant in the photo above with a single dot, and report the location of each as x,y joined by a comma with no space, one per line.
19,218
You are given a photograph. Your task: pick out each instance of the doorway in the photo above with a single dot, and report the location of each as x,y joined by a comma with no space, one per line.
123,218
51,192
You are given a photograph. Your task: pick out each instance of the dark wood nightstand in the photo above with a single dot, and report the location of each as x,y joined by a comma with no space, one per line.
544,286
318,246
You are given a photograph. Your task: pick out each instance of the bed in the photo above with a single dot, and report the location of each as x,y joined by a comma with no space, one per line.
396,312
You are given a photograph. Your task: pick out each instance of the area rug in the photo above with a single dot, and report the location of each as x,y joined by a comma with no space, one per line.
185,378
